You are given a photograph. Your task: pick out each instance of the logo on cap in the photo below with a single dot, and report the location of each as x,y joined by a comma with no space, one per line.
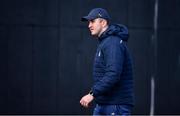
99,15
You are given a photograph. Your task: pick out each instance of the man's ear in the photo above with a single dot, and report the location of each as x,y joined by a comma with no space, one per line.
104,22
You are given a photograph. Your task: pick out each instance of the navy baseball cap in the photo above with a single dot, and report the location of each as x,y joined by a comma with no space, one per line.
96,13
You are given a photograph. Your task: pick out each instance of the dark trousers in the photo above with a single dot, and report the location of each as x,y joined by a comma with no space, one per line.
122,110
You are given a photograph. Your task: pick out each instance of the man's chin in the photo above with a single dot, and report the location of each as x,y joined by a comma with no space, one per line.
94,35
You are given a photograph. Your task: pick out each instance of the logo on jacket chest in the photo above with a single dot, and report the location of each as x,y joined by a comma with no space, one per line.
99,53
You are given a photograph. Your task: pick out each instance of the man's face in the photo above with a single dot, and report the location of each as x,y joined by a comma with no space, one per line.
95,26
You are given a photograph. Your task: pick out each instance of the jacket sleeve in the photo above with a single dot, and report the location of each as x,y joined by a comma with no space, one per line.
113,51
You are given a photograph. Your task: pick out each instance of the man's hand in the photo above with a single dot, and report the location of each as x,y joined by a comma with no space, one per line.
86,100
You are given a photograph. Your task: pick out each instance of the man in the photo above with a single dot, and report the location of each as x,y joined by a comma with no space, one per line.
112,72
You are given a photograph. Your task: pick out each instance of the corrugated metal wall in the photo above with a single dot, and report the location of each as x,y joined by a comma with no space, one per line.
47,54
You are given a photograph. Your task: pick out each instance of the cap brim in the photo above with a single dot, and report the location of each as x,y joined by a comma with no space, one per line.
85,18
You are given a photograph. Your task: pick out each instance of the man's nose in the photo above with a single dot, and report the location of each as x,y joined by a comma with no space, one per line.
89,24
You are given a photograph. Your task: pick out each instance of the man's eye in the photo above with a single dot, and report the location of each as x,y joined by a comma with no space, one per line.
93,20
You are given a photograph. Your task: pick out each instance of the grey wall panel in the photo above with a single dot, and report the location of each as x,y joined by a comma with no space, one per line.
72,15
41,12
44,70
169,14
3,69
139,45
19,70
168,59
74,59
45,12
141,13
68,84
70,12
168,72
14,12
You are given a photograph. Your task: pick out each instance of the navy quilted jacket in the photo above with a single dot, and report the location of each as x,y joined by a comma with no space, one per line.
112,71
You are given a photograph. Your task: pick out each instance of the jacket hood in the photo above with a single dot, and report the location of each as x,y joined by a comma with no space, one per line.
116,30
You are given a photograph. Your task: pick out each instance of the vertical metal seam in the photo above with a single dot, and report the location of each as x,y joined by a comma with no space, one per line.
154,75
